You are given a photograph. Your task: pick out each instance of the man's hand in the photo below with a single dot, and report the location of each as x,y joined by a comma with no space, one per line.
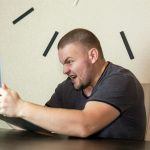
10,102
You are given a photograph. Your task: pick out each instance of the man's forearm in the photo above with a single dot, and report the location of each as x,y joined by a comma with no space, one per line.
62,121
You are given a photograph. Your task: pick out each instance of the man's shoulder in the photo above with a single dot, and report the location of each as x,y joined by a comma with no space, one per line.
114,70
116,76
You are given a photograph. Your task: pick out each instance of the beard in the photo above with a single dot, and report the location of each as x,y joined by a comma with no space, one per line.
81,85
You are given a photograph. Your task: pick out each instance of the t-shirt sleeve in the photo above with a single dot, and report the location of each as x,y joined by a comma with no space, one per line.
55,100
114,91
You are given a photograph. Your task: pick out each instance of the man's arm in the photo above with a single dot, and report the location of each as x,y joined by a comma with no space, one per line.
92,118
80,123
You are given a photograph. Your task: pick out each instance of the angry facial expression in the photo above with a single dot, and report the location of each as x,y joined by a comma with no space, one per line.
76,64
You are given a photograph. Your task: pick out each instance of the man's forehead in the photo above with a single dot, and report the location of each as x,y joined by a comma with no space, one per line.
65,55
70,52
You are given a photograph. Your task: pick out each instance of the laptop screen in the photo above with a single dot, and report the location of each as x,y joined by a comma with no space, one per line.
0,77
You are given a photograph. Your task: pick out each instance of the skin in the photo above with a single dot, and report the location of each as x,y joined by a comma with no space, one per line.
78,63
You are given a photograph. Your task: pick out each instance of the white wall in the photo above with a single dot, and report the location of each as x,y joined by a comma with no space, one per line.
22,45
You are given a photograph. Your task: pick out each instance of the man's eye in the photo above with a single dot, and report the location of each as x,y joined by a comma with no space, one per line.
69,61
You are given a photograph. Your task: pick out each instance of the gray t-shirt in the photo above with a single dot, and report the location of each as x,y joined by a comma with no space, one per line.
117,87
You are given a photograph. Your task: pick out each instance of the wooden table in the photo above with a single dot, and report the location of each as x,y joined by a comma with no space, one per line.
24,140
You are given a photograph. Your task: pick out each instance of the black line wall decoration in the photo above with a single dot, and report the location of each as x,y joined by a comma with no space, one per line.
23,15
50,44
127,45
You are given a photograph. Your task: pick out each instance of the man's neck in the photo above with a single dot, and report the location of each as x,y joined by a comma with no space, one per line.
88,90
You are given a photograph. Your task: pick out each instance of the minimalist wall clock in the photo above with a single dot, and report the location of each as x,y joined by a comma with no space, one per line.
30,31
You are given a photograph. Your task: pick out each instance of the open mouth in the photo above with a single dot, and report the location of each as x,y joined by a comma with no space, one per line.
72,77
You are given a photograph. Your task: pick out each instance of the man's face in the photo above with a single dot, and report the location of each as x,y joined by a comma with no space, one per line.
76,64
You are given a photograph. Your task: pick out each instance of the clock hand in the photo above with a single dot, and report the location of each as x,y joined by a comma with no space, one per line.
23,15
50,43
127,45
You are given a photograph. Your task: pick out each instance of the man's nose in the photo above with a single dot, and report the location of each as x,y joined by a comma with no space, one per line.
66,69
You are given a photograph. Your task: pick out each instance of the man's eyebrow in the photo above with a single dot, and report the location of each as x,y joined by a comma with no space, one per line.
65,61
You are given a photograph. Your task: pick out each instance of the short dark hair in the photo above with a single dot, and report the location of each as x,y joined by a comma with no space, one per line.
82,36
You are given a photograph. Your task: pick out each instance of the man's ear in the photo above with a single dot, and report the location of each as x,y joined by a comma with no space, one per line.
93,55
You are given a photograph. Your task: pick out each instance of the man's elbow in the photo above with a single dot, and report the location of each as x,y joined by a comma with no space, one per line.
85,131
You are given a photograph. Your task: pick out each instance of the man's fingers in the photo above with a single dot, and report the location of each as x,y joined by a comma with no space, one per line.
4,86
3,89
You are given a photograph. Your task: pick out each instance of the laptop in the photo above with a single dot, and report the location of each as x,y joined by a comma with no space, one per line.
21,122
0,77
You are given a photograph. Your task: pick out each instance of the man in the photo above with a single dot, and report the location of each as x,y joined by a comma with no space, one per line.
97,100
